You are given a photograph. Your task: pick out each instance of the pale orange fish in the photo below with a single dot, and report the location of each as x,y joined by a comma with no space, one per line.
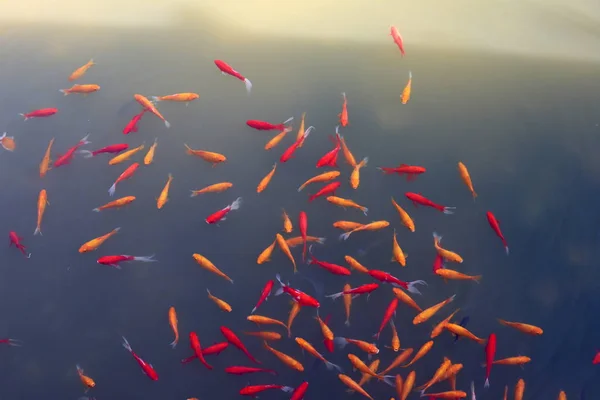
397,254
404,217
287,223
439,328
296,307
116,203
150,155
208,265
173,322
223,305
446,254
82,89
519,389
286,250
355,175
344,114
372,226
408,385
525,328
519,360
86,380
464,332
420,354
346,380
164,194
147,104
450,274
367,377
395,338
45,164
265,256
306,346
400,359
216,188
125,156
300,136
79,72
264,335
347,225
338,201
406,299
406,92
260,319
430,312
181,97
466,178
347,303
41,208
324,177
213,158
8,142
298,240
97,242
276,139
346,151
284,358
262,185
355,265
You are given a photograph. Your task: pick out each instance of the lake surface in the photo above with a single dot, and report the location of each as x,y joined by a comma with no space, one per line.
526,128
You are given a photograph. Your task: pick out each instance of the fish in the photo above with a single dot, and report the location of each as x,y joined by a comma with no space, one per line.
116,203
490,353
347,153
287,223
332,268
459,330
451,394
383,276
179,97
406,299
408,385
132,125
359,365
125,156
254,390
346,380
264,295
447,255
495,224
298,393
439,328
97,242
113,148
267,126
343,115
296,307
149,157
264,335
82,89
439,373
398,384
164,194
518,360
79,72
265,256
330,158
354,292
262,185
411,171
214,188
562,395
347,225
347,303
209,156
223,305
519,389
68,156
397,254
397,39
234,340
113,261
300,134
147,368
303,226
226,69
260,319
306,346
221,215
339,201
239,370
466,178
147,104
7,142
463,322
215,349
387,316
355,265
420,354
196,347
367,377
450,274
438,263
419,199
289,152
405,96
86,380
425,315
324,177
299,297
41,113
369,348
41,209
596,359
372,226
525,328
174,326
209,266
45,164
404,217
276,139
286,250
128,173
15,240
355,175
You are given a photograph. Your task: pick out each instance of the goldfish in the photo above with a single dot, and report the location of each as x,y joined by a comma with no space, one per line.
459,330
264,295
296,307
259,319
220,215
395,34
113,261
372,226
405,97
519,389
7,142
420,354
226,69
367,377
164,194
300,134
79,72
149,157
525,328
213,158
254,390
408,385
355,175
83,89
490,352
147,368
44,112
209,266
452,394
383,276
265,335
284,358
324,177
265,256
397,254
347,303
344,114
68,156
450,274
113,148
132,124
297,295
494,223
369,348
287,223
325,330
338,201
174,326
289,152
357,291
406,299
234,340
362,367
286,250
97,242
355,265
216,349
262,185
267,126
303,226
311,350
419,199
276,139
389,312
347,154
125,156
347,225
86,380
45,164
181,97
215,188
147,104
197,348
128,173
116,203
519,360
442,324
425,315
439,373
446,254
330,158
466,178
223,305
395,338
15,240
411,171
41,208
404,217
235,370
562,395
298,240
398,385
346,380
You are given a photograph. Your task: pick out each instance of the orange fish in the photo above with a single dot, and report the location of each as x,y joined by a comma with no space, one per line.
355,265
430,312
296,307
367,377
265,335
82,89
79,72
128,173
259,319
286,250
347,303
284,358
164,194
262,185
420,354
405,97
408,385
220,303
525,328
373,226
287,223
344,114
450,274
216,188
404,217
397,254
125,156
346,151
150,155
41,208
181,97
355,175
276,139
406,299
460,331
173,322
265,256
400,359
519,360
562,395
395,339
346,380
324,177
312,351
446,254
97,242
297,240
367,347
116,203
398,383
7,142
466,178
45,164
86,380
452,394
519,389
439,373
300,136
213,158
209,266
338,201
347,225
147,104
440,327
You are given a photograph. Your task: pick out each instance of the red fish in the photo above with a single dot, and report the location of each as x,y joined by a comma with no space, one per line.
391,310
411,171
299,297
147,368
220,215
132,125
383,276
397,39
292,149
424,201
254,390
214,349
303,225
438,263
494,223
299,392
11,342
234,340
267,126
330,158
264,295
333,268
113,148
44,112
16,241
596,359
128,173
226,69
326,190
490,352
114,261
247,370
68,156
357,291
195,344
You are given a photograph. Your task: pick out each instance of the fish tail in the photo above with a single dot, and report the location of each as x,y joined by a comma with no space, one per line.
156,98
24,116
448,210
112,189
167,124
126,344
506,249
248,85
236,204
345,236
86,153
97,209
173,344
304,252
365,210
340,342
331,366
411,286
194,193
37,231
145,258
335,295
477,278
64,91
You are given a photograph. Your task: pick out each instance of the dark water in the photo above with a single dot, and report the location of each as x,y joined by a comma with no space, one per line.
527,129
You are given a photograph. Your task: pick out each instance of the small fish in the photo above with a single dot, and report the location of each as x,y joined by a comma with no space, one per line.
267,126
147,368
346,380
494,223
324,177
347,153
344,114
298,393
466,178
286,250
237,370
406,299
420,354
289,152
332,268
8,142
404,217
395,338
220,215
265,256
330,158
405,97
264,335
149,157
260,319
411,171
387,316
128,173
347,225
459,330
372,226
15,240
299,297
97,242
447,255
300,134
164,194
254,390
132,125
357,291
234,340
45,164
215,349
197,348
518,360
451,394
213,158
355,265
116,203
439,328
450,274
463,322
125,156
303,226
209,266
179,97
264,295
490,353
147,104
215,188
41,208
174,326
287,223
276,139
439,373
369,348
409,382
419,199
82,89
519,389
113,148
68,156
525,328
355,175
262,185
306,346
223,305
425,315
43,112
298,240
295,310
397,39
397,254
79,72
339,201
113,261
226,69
86,380
347,303
383,276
